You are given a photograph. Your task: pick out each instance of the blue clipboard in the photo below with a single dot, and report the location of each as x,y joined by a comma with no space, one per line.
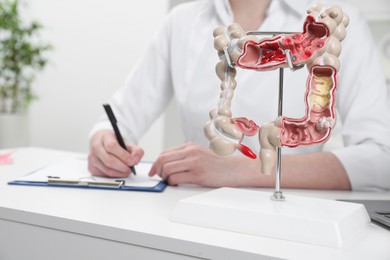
74,174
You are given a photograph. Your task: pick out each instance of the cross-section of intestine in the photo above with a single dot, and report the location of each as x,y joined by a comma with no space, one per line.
317,47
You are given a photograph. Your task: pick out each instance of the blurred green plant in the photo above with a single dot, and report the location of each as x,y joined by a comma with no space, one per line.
21,57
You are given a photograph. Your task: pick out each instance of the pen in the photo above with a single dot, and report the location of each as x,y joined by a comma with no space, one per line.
118,135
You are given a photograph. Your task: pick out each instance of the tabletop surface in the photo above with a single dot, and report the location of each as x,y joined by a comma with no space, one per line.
143,218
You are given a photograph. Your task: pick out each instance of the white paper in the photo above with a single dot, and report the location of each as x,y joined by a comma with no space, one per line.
76,169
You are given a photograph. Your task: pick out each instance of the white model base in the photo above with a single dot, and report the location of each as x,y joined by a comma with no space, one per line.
307,220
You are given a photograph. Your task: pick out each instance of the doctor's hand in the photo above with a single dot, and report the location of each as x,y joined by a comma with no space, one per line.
108,159
191,163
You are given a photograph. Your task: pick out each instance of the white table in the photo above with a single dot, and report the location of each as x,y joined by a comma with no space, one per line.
59,223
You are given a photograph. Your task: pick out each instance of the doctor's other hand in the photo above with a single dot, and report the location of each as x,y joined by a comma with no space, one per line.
192,163
108,159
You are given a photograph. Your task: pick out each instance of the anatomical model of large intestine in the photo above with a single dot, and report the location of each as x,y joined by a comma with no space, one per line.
317,47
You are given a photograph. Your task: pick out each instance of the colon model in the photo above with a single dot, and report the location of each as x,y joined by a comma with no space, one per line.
318,47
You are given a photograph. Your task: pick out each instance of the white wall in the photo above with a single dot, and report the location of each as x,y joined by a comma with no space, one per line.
377,13
96,43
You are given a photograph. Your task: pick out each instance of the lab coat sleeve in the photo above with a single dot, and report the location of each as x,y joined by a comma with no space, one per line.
146,92
363,106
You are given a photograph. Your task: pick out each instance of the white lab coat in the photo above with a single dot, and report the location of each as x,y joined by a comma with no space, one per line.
180,63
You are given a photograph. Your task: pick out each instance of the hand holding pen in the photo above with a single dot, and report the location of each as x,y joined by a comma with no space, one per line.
118,135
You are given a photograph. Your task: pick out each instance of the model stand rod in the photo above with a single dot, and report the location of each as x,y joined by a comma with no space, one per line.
278,194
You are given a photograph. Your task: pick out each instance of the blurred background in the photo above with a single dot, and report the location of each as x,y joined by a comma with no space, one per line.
95,45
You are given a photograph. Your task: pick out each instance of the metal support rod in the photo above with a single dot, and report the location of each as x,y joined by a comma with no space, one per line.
227,57
278,194
280,102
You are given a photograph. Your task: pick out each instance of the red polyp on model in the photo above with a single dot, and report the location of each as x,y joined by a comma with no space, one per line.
247,151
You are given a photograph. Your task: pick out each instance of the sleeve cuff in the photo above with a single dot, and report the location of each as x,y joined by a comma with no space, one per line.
366,165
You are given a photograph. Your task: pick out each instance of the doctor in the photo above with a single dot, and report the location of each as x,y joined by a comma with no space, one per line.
180,63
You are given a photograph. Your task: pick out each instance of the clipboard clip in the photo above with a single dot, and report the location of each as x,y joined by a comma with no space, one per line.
53,180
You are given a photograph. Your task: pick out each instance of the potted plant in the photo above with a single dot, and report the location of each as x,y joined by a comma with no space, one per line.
21,57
